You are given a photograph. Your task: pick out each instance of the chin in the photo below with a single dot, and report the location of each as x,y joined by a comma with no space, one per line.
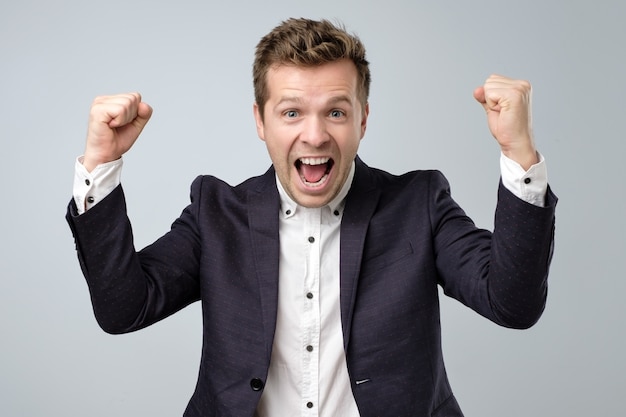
312,201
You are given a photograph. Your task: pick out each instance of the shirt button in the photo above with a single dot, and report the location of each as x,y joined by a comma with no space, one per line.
87,182
309,295
336,212
309,348
311,239
256,384
90,199
309,404
288,212
527,180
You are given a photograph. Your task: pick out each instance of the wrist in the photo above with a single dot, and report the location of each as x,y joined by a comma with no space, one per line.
526,156
90,160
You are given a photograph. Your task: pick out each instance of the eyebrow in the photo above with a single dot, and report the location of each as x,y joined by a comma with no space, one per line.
289,99
342,98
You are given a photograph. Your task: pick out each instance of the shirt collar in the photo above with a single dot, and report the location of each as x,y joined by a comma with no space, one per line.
288,207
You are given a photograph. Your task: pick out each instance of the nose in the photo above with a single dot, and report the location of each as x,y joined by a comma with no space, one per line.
314,132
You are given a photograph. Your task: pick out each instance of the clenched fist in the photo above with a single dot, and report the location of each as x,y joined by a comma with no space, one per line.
115,123
508,106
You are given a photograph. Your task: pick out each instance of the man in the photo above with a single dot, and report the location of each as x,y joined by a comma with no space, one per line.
318,279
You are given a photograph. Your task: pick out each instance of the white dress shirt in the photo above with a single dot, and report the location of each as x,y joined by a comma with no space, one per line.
308,374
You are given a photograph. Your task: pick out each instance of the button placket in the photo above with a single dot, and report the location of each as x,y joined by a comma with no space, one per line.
311,310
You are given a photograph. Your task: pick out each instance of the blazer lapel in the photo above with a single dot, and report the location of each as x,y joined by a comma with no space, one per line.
263,208
360,205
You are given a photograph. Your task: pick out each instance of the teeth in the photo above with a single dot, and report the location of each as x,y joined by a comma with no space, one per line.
314,161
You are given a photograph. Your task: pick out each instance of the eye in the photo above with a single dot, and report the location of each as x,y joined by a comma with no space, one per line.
290,114
335,114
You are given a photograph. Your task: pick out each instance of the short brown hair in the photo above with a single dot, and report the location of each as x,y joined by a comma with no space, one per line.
307,43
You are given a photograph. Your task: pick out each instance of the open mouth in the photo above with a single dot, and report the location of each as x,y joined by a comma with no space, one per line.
314,171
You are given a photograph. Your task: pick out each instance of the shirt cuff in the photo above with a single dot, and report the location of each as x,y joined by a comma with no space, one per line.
531,186
92,187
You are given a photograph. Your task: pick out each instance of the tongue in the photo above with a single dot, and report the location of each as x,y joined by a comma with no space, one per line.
313,173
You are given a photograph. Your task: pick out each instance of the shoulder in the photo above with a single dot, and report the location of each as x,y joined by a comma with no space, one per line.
428,180
211,185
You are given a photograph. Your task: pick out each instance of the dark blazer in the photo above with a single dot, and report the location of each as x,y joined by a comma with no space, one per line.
401,236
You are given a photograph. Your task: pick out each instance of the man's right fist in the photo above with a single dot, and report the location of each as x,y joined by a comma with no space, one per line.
115,123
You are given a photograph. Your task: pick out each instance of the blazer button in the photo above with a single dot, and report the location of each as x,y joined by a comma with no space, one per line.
256,384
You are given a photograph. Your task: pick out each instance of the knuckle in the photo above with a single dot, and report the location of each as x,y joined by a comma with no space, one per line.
98,100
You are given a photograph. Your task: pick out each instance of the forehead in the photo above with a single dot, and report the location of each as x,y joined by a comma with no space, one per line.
339,76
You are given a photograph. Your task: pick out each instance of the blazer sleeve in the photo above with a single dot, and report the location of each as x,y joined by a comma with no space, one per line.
129,289
501,275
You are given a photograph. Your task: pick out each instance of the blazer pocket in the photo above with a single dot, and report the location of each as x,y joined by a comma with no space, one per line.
386,259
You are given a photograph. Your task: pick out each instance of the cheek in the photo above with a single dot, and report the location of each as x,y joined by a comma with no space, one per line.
350,147
278,152
280,142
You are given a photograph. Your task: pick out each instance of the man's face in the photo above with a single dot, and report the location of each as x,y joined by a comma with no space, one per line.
312,126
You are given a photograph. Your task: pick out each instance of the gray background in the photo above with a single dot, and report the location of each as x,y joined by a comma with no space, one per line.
192,62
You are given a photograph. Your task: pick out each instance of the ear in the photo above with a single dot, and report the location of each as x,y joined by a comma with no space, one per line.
366,112
260,126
